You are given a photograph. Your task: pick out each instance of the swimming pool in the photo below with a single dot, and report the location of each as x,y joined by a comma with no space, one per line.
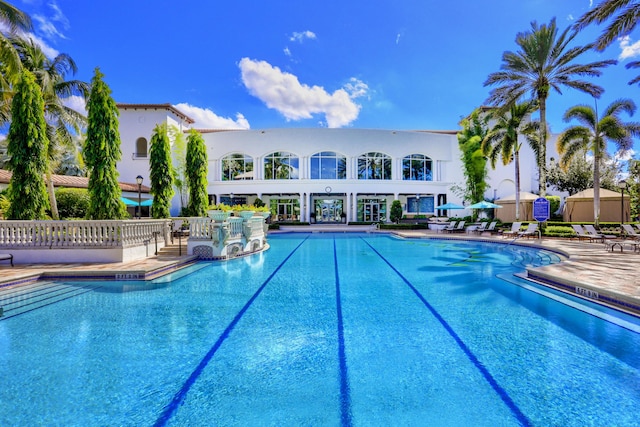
322,329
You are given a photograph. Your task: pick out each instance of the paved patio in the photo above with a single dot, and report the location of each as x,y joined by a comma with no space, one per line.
611,277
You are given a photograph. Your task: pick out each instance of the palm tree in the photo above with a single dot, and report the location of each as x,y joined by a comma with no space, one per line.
502,139
62,121
15,20
625,15
543,63
593,135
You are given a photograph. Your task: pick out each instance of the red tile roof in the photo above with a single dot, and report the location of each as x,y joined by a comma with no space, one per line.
75,182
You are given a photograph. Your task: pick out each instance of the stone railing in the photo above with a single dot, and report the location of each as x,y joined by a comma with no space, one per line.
224,238
82,234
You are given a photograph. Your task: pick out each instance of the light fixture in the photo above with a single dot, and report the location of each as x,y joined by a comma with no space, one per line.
139,180
622,185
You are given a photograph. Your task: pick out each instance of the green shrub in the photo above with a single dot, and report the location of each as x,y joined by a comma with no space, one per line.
72,202
559,231
396,211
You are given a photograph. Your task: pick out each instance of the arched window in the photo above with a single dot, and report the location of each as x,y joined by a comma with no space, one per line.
237,167
417,167
328,165
281,165
374,166
141,147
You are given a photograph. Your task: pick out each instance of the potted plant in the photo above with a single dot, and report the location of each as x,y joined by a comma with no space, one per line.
219,212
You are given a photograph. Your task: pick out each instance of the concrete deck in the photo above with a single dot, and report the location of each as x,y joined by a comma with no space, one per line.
589,271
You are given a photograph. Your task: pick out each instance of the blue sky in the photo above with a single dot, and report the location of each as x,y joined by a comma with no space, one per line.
396,64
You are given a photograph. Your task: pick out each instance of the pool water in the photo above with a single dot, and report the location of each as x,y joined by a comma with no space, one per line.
322,329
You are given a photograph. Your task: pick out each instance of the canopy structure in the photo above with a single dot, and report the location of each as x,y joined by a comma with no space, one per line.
508,211
128,202
579,207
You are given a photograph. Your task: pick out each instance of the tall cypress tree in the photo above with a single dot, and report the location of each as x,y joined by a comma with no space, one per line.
102,152
196,173
161,172
28,144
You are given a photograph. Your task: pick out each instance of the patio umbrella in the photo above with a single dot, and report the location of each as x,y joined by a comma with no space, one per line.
484,205
449,206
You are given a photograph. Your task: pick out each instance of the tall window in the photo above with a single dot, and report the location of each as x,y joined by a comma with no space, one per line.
328,165
417,167
141,147
281,165
237,167
374,166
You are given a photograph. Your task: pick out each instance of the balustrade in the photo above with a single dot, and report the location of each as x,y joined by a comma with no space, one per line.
81,234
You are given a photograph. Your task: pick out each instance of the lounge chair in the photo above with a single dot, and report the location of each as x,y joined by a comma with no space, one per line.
479,229
457,229
597,236
581,234
492,227
450,226
515,229
630,232
532,230
8,257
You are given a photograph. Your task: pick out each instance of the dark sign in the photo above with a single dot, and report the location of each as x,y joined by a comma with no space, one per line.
541,209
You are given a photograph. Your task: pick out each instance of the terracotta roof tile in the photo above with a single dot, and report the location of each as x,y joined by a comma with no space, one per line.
74,182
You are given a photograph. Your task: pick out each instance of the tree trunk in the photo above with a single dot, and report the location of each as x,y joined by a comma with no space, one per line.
596,187
52,197
516,160
542,156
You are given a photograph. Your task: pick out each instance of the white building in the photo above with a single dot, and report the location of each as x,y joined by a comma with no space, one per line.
322,175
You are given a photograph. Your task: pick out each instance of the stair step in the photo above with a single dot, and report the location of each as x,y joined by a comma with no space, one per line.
22,299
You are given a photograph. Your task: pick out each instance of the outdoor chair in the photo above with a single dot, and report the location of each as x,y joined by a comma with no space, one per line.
479,229
581,234
457,229
630,232
8,257
515,229
492,227
596,235
450,226
532,230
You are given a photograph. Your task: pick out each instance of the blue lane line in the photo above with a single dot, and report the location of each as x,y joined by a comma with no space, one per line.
522,418
345,394
179,397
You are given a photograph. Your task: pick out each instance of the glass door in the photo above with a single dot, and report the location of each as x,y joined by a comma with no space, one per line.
371,211
328,210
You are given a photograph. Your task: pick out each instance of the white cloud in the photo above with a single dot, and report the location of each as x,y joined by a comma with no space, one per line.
76,103
624,155
49,51
49,25
207,119
283,92
629,50
287,51
301,36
